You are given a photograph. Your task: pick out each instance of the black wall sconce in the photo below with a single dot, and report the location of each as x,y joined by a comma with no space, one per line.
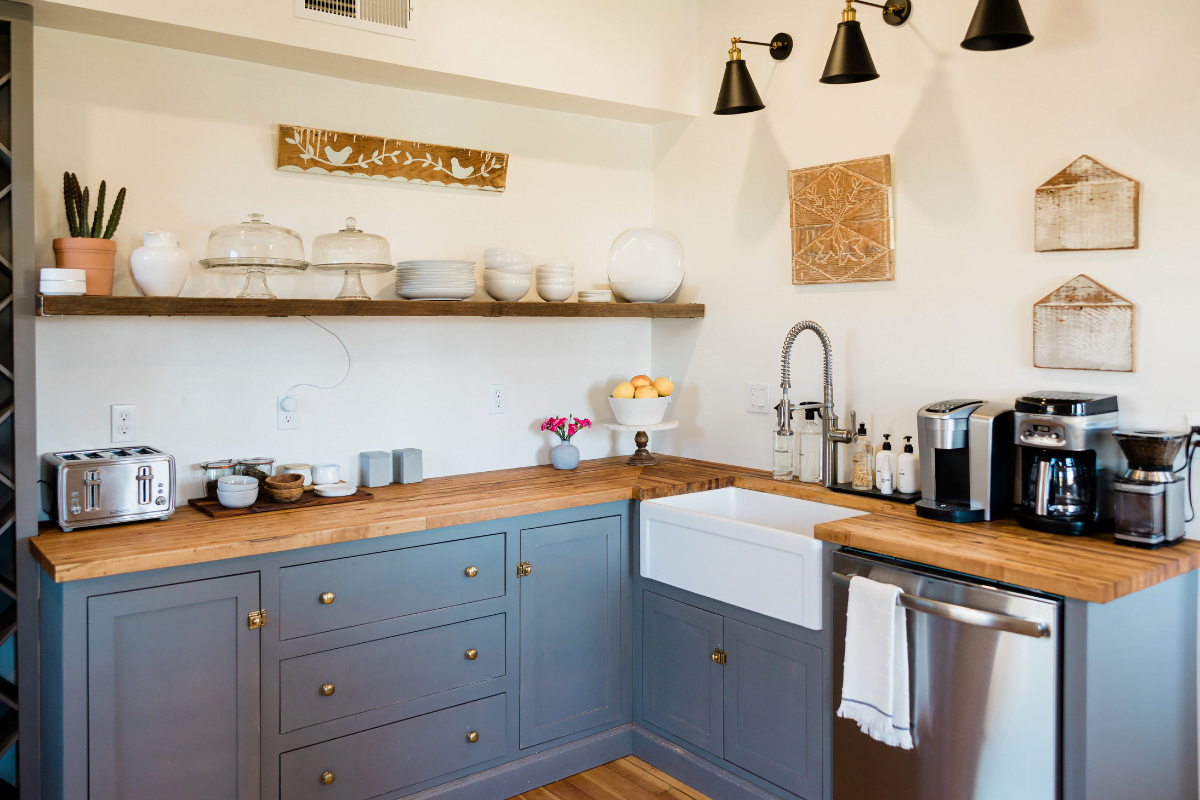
849,59
738,95
997,25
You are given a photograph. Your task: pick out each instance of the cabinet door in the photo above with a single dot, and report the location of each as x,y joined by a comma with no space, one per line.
570,628
773,707
173,692
681,684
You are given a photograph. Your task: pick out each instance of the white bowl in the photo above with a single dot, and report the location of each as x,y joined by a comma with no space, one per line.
644,291
237,499
506,291
554,294
325,473
557,265
503,252
63,274
647,411
63,287
509,269
335,489
507,260
555,271
237,483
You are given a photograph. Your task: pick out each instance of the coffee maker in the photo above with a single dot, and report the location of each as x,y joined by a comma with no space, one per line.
1149,498
1068,459
966,460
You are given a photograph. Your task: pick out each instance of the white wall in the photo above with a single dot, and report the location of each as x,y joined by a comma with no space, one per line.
971,135
192,137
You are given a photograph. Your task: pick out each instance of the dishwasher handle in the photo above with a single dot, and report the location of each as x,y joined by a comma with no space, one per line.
967,616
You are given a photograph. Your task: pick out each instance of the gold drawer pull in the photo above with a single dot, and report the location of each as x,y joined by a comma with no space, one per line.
326,778
472,654
327,689
472,572
473,737
326,598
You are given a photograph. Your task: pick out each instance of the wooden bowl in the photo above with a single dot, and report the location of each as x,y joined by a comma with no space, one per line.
288,480
286,495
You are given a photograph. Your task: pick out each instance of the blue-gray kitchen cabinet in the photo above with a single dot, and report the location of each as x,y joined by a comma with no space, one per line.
682,686
173,692
570,628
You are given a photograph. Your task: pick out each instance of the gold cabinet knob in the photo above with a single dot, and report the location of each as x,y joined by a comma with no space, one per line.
326,778
326,598
473,737
472,572
327,689
472,654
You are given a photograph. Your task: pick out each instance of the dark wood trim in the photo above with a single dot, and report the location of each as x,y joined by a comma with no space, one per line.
93,306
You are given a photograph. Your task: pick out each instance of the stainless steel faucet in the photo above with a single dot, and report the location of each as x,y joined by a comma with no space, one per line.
831,435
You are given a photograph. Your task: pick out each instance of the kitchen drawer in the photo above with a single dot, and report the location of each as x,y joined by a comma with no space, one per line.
388,671
385,585
394,756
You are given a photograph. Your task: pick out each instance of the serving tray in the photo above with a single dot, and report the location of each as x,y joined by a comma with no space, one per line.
264,504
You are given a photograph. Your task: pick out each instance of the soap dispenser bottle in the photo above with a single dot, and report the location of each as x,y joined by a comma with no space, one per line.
783,459
885,468
808,440
864,460
908,470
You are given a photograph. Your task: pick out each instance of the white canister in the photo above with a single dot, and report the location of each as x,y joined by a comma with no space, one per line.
298,469
160,267
325,473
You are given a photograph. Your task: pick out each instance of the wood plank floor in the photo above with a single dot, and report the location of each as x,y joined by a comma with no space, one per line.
627,778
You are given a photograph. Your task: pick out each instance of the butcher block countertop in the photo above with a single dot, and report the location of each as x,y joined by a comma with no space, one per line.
1089,568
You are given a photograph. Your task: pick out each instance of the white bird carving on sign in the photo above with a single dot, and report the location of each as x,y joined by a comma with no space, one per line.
338,156
459,171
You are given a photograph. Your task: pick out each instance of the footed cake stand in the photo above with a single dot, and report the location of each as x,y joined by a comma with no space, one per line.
642,457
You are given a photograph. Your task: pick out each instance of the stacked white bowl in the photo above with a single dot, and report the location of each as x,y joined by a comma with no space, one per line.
506,274
595,295
237,491
56,280
435,280
556,281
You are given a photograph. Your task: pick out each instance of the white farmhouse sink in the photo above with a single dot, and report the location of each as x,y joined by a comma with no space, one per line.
750,549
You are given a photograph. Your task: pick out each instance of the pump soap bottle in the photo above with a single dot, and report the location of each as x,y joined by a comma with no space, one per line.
908,470
809,436
885,468
864,460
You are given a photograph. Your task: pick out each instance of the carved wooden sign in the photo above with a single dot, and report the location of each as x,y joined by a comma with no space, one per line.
332,153
1083,325
1087,206
841,222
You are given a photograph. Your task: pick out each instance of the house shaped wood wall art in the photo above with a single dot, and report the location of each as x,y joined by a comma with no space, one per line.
300,149
1083,325
841,222
1087,206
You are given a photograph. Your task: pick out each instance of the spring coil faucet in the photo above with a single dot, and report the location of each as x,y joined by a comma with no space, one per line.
831,435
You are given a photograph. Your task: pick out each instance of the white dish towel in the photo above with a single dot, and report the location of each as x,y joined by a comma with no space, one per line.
875,674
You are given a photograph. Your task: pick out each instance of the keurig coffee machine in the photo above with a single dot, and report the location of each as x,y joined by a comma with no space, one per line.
966,460
1068,459
1149,497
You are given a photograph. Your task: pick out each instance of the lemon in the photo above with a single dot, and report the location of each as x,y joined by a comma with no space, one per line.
645,393
640,380
664,386
624,391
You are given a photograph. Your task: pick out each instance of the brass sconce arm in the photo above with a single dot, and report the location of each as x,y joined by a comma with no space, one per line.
780,45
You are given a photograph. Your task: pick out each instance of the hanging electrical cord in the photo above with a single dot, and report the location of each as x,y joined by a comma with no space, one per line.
348,361
1192,447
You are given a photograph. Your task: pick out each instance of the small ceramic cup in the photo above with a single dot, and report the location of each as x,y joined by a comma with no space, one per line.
299,469
325,473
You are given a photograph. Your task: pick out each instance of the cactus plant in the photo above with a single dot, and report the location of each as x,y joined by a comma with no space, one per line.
77,200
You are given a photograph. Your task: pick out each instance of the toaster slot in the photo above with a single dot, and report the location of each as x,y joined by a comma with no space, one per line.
91,491
145,486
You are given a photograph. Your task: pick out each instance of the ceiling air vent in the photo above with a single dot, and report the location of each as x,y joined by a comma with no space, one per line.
393,17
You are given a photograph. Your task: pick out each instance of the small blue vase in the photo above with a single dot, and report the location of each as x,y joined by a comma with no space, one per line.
565,456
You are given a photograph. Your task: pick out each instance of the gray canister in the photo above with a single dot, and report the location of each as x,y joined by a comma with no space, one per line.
374,469
406,465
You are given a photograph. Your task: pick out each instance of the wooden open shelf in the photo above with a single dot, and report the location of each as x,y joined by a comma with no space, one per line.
92,306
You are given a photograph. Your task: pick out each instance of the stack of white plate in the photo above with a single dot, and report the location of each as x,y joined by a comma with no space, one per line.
595,295
56,280
435,280
556,281
506,274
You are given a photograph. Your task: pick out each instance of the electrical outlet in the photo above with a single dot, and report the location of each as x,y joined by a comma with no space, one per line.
758,398
287,408
124,424
496,398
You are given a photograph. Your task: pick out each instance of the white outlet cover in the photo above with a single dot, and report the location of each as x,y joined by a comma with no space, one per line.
496,403
287,408
758,398
124,423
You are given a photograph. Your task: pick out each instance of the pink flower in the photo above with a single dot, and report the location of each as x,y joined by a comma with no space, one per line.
572,430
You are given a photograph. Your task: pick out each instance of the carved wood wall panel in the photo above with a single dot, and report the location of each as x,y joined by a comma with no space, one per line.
1087,206
1084,325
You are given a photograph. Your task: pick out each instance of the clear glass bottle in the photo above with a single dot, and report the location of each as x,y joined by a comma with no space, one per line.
783,465
809,444
864,460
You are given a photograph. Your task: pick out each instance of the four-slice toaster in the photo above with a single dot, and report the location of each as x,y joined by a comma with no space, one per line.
105,486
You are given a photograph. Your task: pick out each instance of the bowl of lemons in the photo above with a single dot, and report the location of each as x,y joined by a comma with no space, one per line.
641,401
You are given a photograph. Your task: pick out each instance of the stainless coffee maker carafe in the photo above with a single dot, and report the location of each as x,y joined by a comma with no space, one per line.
1066,462
1150,495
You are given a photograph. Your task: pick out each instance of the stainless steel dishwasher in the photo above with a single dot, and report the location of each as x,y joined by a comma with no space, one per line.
984,667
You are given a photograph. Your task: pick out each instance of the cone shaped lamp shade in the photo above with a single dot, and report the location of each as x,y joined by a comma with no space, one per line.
738,95
997,25
849,59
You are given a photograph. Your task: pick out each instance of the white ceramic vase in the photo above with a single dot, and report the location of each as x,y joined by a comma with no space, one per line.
160,267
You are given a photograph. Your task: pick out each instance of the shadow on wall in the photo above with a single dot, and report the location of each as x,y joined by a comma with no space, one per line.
674,346
763,196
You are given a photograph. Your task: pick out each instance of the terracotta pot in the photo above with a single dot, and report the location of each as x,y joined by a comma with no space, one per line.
94,255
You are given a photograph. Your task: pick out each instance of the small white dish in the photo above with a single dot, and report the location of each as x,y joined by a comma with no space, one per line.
335,489
237,499
325,473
